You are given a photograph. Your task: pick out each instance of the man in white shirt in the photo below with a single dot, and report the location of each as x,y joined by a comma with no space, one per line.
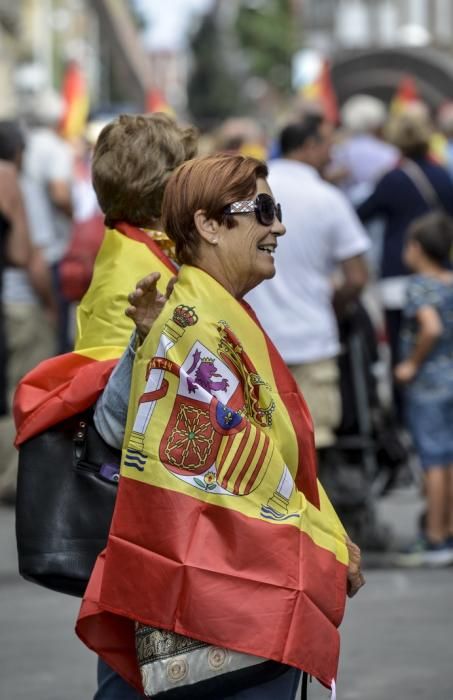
298,306
48,163
27,297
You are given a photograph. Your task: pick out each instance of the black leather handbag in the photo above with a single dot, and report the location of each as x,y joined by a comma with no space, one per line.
66,490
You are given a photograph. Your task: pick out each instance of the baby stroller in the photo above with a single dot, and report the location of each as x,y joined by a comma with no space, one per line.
369,451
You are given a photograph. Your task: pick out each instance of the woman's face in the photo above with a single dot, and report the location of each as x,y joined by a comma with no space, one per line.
246,252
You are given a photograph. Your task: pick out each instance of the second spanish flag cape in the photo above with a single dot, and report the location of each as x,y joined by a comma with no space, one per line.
68,384
221,531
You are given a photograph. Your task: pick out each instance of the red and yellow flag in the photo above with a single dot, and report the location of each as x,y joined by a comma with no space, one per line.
322,93
76,99
69,384
406,94
221,531
157,102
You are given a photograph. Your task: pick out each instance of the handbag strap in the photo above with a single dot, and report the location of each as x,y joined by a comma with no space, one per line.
304,690
421,183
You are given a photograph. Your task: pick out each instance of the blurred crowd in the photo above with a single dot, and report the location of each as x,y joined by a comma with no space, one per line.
361,307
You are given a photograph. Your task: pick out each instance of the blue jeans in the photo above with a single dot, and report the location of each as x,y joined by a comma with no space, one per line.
112,687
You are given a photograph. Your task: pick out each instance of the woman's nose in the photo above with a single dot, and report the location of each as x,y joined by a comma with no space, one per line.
278,228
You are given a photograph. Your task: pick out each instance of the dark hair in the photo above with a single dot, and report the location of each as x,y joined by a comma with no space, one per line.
12,141
295,135
434,234
210,184
132,161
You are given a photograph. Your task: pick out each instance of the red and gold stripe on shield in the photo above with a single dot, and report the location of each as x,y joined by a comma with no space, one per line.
243,459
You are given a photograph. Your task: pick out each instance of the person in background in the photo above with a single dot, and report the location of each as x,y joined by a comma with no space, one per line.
426,373
363,155
414,187
445,125
15,250
87,231
28,301
241,135
85,203
48,162
297,306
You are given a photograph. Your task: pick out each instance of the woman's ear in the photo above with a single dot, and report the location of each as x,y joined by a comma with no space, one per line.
207,228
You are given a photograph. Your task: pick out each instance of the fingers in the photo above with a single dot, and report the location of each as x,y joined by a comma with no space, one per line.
355,583
147,285
355,577
170,286
148,282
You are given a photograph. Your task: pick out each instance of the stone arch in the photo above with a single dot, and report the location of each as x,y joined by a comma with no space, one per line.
378,73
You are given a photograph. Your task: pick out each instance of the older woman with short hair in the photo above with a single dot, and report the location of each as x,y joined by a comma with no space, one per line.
226,567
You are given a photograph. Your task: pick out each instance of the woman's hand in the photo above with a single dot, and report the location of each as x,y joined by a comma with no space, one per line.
405,371
355,577
146,303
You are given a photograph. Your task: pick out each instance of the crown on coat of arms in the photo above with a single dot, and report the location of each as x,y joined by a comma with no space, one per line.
185,316
207,360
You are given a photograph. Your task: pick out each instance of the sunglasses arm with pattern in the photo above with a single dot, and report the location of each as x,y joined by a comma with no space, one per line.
264,208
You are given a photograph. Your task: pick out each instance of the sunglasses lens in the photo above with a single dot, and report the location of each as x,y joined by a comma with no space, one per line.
266,209
278,212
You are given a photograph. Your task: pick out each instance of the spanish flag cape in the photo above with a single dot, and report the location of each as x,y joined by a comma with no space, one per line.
221,531
65,385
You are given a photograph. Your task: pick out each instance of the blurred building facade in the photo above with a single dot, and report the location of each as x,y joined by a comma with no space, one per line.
373,44
378,23
38,37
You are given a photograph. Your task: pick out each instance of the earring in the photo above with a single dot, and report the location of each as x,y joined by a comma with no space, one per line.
214,241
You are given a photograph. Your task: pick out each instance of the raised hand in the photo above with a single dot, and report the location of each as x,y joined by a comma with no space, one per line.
146,303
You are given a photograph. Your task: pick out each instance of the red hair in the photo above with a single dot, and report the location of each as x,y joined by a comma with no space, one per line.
209,184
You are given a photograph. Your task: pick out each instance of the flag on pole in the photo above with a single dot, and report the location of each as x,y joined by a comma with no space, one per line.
75,95
221,532
406,94
157,102
65,385
322,93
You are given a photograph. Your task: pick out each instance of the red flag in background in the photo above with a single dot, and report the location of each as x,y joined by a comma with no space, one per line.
157,102
75,95
321,91
406,94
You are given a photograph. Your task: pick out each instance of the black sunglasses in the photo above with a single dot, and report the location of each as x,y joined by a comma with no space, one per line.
264,208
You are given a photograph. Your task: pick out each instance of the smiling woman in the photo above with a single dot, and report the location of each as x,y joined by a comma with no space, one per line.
226,568
229,228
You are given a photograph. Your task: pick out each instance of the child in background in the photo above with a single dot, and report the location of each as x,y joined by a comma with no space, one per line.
427,374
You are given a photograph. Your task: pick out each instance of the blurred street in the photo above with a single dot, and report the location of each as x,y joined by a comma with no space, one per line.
396,637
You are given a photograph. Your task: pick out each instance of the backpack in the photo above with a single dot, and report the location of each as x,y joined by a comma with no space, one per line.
76,267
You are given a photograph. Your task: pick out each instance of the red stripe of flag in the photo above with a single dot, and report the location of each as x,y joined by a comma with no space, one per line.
259,599
248,461
56,389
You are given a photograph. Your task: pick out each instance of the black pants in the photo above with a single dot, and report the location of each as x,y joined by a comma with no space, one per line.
393,321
